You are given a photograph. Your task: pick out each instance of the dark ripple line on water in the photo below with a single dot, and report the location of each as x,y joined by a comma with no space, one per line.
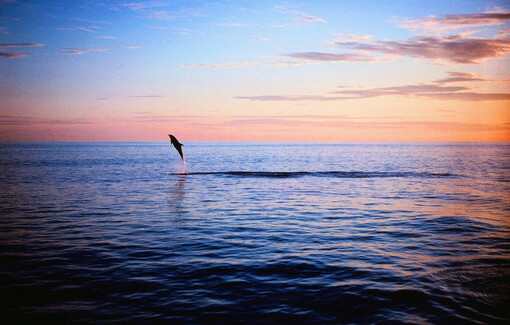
334,174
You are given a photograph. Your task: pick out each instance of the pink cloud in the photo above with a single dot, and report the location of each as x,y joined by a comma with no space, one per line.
301,17
333,57
455,48
456,21
147,96
317,122
290,98
306,18
436,90
160,15
351,37
503,33
466,77
245,64
460,77
8,120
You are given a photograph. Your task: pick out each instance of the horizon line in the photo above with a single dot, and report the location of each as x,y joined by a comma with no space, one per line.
252,141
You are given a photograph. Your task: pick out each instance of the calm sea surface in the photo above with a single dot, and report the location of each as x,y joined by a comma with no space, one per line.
255,233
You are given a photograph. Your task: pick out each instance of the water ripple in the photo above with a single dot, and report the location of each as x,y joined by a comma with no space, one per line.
355,233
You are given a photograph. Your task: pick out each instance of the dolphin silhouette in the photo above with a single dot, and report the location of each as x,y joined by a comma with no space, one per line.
177,145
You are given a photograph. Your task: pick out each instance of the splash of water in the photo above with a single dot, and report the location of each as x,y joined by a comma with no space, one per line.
182,168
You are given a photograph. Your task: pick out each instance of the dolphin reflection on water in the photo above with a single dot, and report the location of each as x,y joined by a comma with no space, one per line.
177,145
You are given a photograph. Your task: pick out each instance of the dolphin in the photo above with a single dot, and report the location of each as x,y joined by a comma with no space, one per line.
177,145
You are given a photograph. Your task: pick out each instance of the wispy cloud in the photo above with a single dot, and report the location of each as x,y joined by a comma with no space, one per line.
17,54
9,18
434,90
156,10
174,30
245,64
503,33
462,48
5,45
8,120
75,51
133,96
290,98
83,20
229,24
87,20
349,123
159,27
147,96
333,57
64,50
431,91
350,37
455,48
83,29
455,21
211,65
160,15
263,39
144,5
466,77
107,37
301,17
13,55
378,92
465,96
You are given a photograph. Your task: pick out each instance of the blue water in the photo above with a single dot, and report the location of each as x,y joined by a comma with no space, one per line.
255,233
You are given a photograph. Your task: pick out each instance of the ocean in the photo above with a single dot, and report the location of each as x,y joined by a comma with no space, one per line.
350,233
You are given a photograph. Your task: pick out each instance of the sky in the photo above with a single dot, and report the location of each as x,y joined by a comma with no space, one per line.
333,71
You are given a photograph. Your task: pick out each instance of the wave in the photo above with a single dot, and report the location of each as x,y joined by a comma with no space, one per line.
335,174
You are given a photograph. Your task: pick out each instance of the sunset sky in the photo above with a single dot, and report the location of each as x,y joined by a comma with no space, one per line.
255,70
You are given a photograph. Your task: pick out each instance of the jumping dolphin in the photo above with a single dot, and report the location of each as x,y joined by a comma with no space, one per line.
177,145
